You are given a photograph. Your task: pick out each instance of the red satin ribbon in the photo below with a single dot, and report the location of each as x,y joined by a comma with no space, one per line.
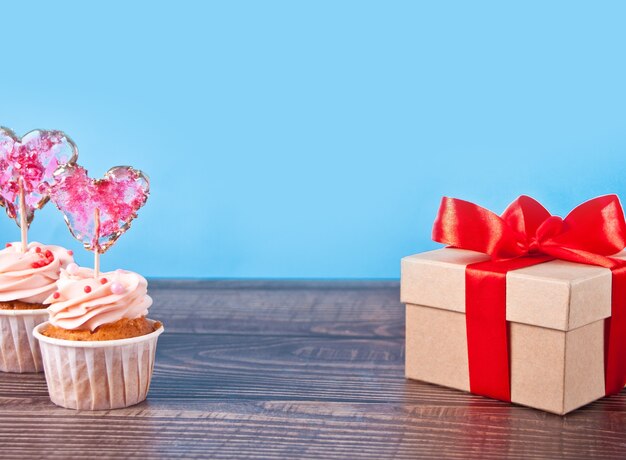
526,234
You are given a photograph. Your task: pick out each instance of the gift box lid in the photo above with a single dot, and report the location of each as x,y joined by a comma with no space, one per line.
557,294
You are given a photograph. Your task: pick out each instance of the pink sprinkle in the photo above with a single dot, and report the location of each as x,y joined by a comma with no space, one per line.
117,288
72,268
70,252
87,289
103,281
37,249
56,295
9,245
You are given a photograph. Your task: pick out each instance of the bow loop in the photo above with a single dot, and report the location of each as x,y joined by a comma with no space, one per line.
596,226
465,225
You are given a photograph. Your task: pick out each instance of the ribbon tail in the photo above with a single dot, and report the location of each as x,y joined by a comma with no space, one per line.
615,334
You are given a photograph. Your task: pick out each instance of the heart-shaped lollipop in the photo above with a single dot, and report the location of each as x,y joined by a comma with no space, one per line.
99,211
29,164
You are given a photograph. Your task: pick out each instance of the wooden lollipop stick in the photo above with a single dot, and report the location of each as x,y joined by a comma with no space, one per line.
96,264
96,252
23,221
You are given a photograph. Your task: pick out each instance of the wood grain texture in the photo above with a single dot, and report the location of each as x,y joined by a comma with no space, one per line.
294,370
346,309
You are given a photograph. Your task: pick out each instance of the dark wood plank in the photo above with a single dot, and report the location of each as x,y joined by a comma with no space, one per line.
297,429
351,309
305,382
204,366
256,388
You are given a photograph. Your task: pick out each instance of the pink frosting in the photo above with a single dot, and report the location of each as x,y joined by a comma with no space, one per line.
83,302
31,276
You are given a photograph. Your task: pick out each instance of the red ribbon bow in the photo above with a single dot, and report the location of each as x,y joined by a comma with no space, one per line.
527,234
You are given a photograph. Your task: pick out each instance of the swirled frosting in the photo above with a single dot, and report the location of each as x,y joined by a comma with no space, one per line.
31,276
84,302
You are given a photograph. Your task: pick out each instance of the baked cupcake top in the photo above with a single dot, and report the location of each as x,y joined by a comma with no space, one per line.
83,302
31,276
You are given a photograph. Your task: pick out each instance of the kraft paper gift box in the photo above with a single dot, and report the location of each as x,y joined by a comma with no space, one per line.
556,315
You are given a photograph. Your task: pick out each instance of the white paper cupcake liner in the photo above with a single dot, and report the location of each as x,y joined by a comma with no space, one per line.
98,375
19,351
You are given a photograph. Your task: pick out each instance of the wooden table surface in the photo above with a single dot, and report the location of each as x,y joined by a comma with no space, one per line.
294,369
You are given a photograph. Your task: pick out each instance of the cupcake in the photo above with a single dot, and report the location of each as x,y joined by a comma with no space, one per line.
27,279
98,347
28,271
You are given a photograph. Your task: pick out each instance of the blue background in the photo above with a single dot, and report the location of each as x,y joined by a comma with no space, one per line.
315,139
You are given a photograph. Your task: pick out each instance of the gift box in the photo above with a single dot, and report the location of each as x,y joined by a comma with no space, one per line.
529,327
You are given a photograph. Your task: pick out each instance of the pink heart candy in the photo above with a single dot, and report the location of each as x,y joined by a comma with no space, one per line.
31,160
117,197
